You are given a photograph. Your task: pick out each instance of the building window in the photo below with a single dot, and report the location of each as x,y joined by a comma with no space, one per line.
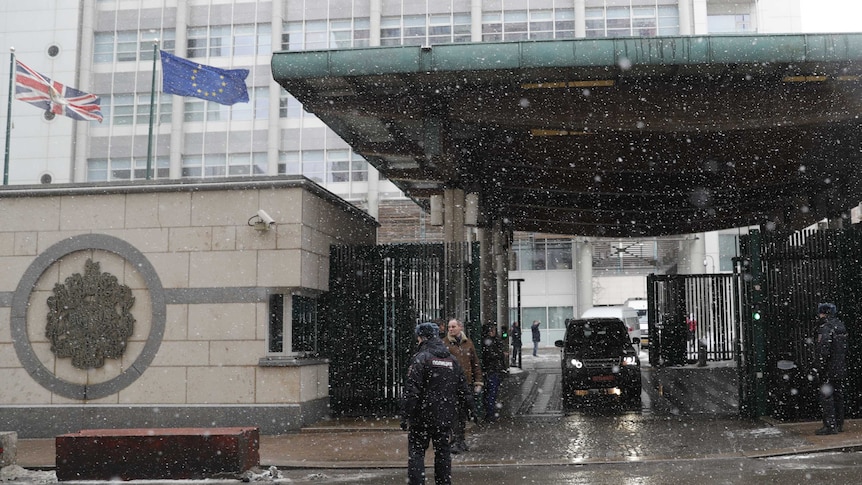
130,45
728,24
127,46
167,43
276,324
288,106
192,166
241,164
331,165
549,318
252,39
304,332
162,105
214,165
212,41
542,254
559,253
303,322
446,29
103,47
425,29
199,110
358,168
728,248
106,170
512,25
323,34
339,165
127,109
289,164
634,20
313,167
257,106
122,109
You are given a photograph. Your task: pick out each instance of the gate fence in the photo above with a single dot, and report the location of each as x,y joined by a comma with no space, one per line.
711,300
786,276
377,295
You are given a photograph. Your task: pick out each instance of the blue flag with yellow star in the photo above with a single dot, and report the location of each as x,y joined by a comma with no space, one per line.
186,78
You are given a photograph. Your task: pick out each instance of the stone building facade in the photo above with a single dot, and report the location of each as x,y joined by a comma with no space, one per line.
165,304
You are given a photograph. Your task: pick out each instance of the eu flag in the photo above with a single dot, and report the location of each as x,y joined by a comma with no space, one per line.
186,78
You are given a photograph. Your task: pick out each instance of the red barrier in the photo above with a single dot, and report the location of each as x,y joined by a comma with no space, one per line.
157,453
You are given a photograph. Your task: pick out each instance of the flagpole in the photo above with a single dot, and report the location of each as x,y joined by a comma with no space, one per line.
9,114
152,102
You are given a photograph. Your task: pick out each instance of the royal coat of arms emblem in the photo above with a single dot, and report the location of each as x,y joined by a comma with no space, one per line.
89,317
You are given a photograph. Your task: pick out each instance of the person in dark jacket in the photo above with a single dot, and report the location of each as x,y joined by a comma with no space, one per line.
463,349
434,390
515,334
831,352
494,367
537,337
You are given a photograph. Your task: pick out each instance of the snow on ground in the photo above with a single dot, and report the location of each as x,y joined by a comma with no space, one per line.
15,474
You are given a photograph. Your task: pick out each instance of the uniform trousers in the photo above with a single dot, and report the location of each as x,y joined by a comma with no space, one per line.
417,443
832,401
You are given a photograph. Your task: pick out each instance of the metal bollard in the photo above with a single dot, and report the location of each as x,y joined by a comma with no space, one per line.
701,353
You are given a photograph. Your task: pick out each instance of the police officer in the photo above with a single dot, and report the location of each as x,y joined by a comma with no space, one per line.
515,333
434,390
831,351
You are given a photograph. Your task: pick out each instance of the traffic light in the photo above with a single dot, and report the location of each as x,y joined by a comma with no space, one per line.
505,332
756,311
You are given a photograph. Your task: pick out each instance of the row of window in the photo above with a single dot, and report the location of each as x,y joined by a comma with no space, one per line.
507,25
103,169
550,254
322,166
129,109
632,21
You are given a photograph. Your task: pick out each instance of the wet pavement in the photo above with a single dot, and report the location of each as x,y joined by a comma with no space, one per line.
533,431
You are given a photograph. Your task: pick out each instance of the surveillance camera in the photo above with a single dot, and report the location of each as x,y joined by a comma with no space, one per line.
264,217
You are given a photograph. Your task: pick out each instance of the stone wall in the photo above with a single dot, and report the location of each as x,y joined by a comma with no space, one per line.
403,221
201,278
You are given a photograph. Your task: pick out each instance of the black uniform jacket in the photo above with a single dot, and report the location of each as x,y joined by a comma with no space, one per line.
434,388
832,347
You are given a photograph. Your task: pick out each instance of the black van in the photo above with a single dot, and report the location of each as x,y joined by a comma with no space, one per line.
598,359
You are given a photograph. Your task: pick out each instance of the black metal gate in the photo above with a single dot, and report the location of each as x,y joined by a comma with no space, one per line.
377,295
787,275
711,300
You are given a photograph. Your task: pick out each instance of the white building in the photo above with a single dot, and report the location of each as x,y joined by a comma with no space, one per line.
106,47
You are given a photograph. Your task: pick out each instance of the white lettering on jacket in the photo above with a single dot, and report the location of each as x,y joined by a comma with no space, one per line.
441,363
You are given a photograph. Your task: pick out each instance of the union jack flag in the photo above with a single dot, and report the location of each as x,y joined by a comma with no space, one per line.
39,90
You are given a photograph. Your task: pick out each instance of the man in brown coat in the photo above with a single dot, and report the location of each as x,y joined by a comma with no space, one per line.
464,351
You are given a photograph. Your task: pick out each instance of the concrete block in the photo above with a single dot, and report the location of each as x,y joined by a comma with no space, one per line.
8,448
157,454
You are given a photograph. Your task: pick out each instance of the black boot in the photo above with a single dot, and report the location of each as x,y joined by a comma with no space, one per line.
826,430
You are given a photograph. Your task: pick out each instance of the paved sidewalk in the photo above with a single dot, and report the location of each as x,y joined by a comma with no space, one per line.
380,444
